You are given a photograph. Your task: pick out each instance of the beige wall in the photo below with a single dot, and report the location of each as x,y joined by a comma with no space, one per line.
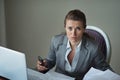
31,24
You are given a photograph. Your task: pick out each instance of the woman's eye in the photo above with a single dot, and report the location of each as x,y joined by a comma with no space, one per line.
78,28
70,28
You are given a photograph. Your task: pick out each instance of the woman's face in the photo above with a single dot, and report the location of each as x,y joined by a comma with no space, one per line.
74,30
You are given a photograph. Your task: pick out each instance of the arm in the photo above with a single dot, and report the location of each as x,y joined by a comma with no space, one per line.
51,58
99,61
46,64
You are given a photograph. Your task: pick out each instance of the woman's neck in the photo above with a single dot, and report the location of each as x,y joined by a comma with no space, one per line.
74,44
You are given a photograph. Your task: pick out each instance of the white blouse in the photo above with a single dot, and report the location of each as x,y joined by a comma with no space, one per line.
68,67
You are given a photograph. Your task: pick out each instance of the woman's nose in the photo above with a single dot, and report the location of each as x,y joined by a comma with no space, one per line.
74,32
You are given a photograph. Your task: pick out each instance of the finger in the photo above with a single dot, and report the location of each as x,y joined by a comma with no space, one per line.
42,68
38,65
38,62
44,60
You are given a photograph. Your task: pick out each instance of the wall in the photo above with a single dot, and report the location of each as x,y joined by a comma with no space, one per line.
32,23
2,24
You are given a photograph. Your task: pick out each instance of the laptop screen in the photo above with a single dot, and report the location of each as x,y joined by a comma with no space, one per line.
12,64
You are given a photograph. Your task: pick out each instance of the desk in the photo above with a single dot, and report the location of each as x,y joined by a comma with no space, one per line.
92,74
50,75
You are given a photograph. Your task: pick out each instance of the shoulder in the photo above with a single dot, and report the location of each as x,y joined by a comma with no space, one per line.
59,39
59,36
91,46
90,42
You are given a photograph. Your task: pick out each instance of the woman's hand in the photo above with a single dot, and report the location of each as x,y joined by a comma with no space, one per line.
41,66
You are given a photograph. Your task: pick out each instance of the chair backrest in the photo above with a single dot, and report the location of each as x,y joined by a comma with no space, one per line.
101,37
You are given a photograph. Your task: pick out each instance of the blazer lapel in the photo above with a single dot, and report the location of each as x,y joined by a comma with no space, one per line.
82,55
62,52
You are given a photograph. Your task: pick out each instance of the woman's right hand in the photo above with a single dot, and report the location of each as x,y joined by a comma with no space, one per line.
41,66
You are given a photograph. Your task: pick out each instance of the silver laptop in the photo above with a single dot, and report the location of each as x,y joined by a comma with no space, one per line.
12,64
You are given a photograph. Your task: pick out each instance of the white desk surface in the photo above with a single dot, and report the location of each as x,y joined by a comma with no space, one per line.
92,74
50,75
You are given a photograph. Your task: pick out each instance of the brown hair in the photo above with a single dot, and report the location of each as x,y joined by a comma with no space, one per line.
76,15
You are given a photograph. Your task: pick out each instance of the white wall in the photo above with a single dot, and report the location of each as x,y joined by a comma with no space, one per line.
32,23
2,24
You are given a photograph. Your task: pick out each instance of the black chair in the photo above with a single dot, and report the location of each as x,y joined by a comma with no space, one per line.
101,37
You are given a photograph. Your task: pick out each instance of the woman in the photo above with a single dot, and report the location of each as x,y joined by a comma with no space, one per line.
73,53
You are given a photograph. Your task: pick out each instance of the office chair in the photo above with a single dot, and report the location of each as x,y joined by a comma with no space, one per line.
101,37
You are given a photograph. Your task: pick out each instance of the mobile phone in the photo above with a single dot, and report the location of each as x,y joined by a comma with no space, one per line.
40,59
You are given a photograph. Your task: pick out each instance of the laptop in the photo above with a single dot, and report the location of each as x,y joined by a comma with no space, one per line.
13,67
12,64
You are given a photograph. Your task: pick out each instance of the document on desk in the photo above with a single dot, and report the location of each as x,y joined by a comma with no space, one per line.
50,75
95,74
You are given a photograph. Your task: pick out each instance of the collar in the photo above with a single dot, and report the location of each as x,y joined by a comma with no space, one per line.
68,44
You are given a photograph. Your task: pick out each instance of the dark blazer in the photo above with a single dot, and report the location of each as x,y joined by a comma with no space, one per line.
90,56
